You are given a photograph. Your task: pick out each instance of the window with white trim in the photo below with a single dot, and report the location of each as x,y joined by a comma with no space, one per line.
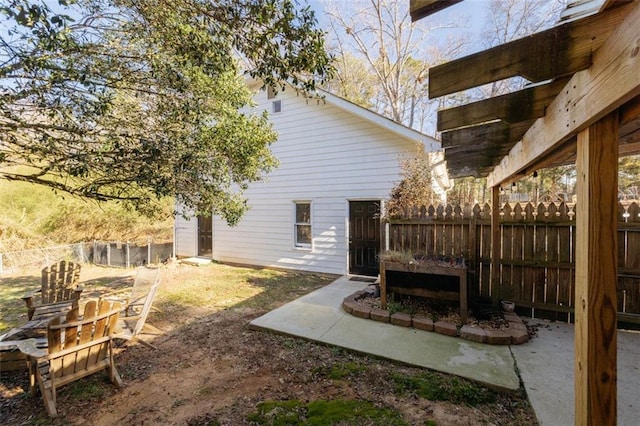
276,106
302,231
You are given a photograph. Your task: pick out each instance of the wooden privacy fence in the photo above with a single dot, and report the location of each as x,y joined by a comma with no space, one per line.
537,260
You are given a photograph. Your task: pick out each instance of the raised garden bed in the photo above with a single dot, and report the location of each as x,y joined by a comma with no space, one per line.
511,331
426,288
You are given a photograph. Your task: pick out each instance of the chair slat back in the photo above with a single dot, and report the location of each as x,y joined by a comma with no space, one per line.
97,323
59,281
146,308
145,279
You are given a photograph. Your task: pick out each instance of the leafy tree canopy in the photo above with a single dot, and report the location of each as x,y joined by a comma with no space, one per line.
136,100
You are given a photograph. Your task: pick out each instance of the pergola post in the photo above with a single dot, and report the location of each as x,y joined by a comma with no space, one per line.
596,273
496,244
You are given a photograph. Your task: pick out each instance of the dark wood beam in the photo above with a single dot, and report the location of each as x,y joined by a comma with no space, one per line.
557,52
527,104
611,82
419,9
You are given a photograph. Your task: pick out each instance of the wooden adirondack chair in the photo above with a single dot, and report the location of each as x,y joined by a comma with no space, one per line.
134,320
138,303
77,347
59,285
133,297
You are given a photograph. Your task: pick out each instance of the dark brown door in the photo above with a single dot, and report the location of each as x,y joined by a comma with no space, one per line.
205,235
364,237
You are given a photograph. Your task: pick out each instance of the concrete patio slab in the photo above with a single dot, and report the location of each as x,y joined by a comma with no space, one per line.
546,368
318,316
545,363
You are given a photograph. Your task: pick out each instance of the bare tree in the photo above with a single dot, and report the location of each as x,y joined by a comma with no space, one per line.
396,53
509,20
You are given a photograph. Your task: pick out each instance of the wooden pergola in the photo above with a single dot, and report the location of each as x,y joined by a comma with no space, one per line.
582,107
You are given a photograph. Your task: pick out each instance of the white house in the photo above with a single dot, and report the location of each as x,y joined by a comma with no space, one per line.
319,210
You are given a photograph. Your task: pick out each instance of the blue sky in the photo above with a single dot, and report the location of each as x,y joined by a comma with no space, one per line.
473,11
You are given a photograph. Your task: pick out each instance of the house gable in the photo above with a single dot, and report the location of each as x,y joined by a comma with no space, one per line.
330,152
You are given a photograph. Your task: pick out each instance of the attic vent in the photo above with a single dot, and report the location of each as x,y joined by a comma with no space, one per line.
271,92
276,106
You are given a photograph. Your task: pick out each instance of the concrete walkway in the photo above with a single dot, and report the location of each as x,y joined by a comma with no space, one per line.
545,363
319,316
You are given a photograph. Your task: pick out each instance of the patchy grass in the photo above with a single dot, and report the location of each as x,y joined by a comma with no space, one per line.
89,389
436,387
224,287
13,310
342,370
230,374
339,411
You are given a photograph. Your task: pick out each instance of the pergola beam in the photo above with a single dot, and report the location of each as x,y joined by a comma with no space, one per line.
553,53
526,104
419,9
609,83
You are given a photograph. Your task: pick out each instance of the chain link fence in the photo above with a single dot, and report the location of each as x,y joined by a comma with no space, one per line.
128,254
17,261
97,252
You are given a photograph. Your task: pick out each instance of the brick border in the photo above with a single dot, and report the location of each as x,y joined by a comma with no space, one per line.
515,334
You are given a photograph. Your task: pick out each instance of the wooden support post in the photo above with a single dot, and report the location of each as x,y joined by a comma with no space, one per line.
596,274
496,244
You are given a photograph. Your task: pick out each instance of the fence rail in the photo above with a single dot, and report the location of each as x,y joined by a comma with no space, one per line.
537,259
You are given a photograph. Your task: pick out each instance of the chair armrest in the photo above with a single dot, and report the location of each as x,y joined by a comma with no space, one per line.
28,347
28,297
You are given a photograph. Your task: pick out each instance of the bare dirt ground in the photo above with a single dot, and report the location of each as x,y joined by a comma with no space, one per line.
211,369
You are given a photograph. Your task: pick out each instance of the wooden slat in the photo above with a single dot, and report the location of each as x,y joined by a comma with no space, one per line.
518,250
475,150
565,255
101,330
612,81
496,244
86,333
419,9
526,104
559,51
596,269
70,341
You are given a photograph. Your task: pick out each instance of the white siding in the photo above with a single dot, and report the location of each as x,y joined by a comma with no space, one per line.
327,156
186,236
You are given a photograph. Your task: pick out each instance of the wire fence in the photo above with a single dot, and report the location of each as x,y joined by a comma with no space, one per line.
127,254
104,253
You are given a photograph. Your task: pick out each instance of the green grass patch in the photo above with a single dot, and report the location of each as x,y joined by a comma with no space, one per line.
88,389
225,287
341,370
346,369
339,411
436,387
13,310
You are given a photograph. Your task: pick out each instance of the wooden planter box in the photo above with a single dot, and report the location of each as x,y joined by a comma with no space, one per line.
452,271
